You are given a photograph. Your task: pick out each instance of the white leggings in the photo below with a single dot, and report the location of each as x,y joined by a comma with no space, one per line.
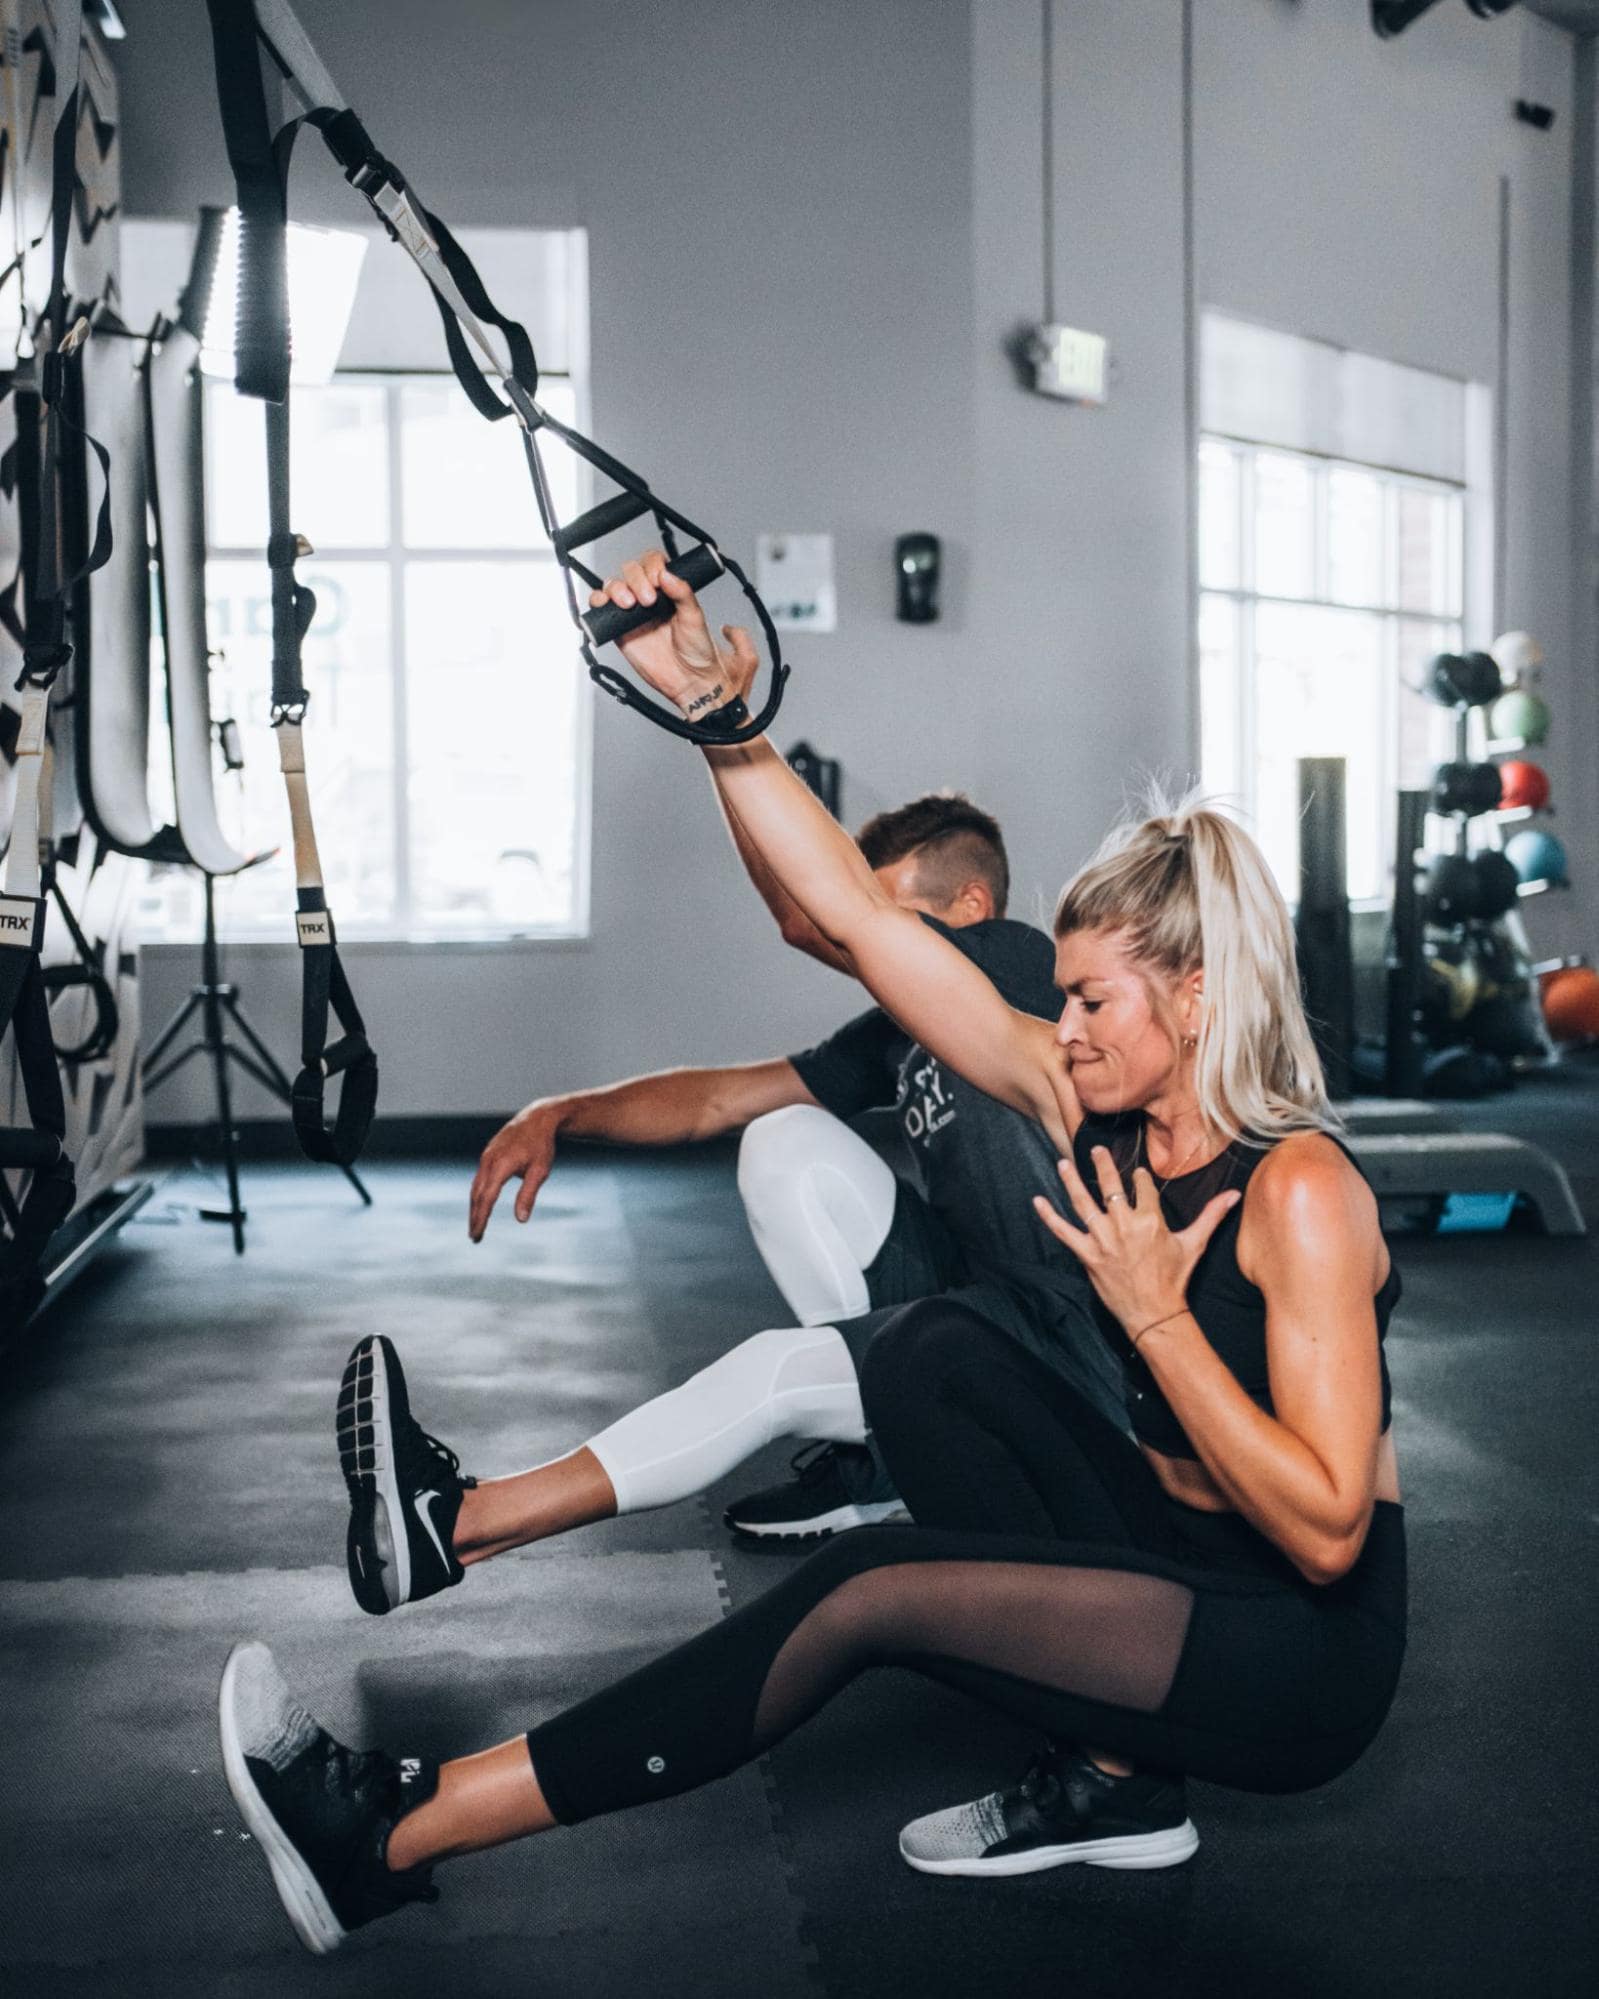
820,1203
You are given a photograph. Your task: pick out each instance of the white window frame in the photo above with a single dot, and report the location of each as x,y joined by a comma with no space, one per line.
403,926
1246,596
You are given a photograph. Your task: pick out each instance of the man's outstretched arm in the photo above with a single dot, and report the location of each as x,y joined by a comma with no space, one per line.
796,927
671,1107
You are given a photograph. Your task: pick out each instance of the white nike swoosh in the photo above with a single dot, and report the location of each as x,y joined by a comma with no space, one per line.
423,1503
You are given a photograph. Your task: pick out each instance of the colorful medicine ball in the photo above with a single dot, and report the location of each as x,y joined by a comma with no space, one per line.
1517,653
1523,783
1536,857
1518,717
1571,1003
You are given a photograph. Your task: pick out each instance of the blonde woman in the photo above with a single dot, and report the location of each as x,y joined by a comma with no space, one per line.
1224,1598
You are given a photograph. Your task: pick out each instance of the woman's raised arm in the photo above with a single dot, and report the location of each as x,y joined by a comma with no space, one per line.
935,993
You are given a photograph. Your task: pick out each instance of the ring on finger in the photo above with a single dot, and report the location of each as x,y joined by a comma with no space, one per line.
1114,1197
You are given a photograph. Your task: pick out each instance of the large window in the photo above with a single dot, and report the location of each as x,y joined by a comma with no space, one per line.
1324,587
1344,536
447,735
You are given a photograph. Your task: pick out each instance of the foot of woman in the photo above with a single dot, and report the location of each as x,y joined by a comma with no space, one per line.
352,1835
1065,1809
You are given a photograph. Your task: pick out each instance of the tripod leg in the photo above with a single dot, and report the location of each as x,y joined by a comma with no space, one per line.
167,1036
280,1081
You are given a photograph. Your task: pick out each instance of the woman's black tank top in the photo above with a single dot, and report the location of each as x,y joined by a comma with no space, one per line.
1231,1312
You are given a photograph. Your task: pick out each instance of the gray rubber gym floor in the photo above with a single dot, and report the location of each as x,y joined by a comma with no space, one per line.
170,1484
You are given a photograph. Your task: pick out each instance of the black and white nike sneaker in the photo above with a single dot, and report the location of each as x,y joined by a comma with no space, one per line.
834,1486
405,1486
1064,1810
322,1814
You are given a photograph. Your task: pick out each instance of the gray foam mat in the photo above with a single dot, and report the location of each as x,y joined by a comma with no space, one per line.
126,1869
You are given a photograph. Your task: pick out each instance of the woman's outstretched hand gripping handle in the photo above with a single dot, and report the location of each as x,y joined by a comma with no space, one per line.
610,622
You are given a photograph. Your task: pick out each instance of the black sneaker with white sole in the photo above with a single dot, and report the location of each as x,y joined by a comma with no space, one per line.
405,1486
834,1486
1064,1810
322,1814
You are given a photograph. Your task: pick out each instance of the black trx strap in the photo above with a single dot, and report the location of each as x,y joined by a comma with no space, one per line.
86,971
24,1001
466,310
261,347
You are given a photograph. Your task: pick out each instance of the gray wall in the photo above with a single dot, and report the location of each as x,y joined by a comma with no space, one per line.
811,228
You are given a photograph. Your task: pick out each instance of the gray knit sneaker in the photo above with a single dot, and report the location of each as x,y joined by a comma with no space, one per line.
1065,1809
322,1814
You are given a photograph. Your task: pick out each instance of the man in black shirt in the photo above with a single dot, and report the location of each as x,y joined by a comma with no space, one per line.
846,1239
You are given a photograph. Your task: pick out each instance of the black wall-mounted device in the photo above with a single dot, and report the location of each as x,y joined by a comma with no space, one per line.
918,559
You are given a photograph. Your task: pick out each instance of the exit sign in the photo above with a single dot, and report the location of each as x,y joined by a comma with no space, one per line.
1069,363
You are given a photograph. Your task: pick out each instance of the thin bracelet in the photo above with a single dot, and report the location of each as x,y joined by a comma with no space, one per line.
1158,1322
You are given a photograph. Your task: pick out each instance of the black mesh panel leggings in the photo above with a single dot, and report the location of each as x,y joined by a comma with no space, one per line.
1048,1575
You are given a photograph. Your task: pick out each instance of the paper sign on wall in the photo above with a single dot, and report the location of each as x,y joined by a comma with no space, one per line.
794,573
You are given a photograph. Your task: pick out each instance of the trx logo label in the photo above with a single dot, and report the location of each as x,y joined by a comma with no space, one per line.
21,921
656,1765
314,927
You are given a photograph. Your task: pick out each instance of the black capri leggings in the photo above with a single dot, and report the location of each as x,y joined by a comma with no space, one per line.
1048,1574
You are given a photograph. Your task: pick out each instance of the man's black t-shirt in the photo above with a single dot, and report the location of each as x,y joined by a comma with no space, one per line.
981,1162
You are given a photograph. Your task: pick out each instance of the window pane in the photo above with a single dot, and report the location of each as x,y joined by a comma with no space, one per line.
339,466
1319,693
1428,564
1218,516
1354,537
1220,698
495,716
349,741
465,481
1285,515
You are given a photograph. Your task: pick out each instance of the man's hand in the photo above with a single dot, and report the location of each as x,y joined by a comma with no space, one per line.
525,1147
678,656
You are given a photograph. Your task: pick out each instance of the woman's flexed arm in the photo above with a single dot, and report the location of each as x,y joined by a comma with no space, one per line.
935,993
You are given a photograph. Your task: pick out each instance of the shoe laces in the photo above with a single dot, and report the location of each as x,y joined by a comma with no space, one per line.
815,1461
1040,1783
449,1465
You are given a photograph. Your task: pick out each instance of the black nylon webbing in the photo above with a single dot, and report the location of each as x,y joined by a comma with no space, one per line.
374,176
260,163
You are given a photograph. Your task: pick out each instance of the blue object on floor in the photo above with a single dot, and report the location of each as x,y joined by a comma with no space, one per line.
1476,1214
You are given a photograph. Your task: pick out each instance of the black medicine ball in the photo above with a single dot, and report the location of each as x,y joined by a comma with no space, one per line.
1467,788
1439,682
1451,892
1477,677
1497,883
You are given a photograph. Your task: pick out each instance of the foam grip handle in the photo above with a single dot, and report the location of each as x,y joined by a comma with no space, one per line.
610,622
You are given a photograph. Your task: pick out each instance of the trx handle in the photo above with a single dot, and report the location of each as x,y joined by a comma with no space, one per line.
325,990
88,970
610,622
101,1037
495,387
